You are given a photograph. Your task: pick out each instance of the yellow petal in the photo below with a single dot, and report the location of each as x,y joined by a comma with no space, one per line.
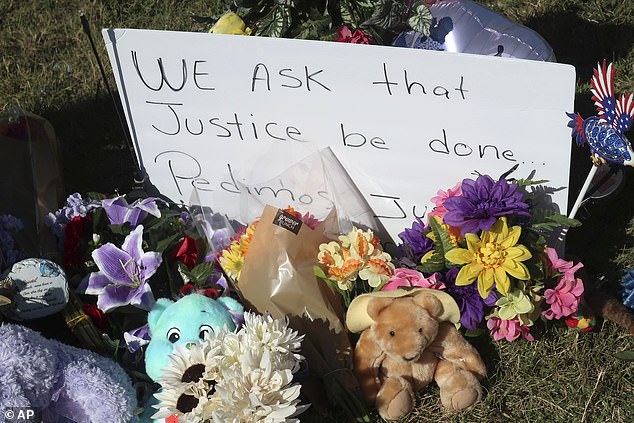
517,253
502,281
459,256
473,242
512,237
516,269
468,273
485,282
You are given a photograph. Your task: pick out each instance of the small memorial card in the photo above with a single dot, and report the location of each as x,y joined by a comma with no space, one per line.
40,288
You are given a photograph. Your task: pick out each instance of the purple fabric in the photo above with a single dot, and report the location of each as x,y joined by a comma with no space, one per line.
67,383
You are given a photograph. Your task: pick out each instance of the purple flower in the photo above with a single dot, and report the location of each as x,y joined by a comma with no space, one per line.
472,306
123,274
482,202
9,252
119,211
75,206
137,338
415,244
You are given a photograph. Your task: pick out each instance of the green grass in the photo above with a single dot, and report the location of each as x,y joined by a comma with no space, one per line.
46,67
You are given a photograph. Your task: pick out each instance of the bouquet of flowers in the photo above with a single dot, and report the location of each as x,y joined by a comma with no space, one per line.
121,256
271,264
485,244
355,264
402,23
248,376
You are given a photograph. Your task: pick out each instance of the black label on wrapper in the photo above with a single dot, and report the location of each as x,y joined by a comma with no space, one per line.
287,221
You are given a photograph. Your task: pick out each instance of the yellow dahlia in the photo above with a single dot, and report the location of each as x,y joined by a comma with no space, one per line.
491,257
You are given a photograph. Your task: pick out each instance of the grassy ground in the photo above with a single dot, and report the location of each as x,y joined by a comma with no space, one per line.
46,67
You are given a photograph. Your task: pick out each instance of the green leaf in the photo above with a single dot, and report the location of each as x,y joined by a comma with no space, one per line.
421,18
625,355
275,23
319,272
185,273
386,15
528,182
564,221
201,272
95,196
473,333
122,229
431,262
434,260
165,243
349,15
548,220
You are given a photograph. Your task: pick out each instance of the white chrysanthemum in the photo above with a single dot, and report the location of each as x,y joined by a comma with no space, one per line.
261,395
235,377
234,349
266,333
192,365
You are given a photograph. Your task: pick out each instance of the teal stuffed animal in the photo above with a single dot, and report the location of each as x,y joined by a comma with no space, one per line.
190,319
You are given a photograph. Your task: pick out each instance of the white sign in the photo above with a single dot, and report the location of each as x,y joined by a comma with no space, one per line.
405,123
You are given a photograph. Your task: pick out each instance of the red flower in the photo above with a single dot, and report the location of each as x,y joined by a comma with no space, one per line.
98,317
186,252
74,232
187,289
344,35
209,292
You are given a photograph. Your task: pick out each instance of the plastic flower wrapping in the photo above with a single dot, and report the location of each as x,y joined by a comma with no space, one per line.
485,244
244,376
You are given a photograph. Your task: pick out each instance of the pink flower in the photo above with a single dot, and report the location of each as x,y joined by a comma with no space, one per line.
439,200
564,299
344,35
412,278
568,268
508,329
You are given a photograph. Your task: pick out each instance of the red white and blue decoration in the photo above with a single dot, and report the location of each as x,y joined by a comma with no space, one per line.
604,133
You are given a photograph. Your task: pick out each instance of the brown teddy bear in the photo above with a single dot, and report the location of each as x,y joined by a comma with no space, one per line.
408,339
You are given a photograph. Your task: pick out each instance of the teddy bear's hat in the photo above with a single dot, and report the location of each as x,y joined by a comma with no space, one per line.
358,319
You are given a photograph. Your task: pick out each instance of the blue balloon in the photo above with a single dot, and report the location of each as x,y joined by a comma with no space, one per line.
479,30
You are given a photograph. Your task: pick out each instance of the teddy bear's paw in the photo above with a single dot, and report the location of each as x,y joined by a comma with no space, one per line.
395,399
461,399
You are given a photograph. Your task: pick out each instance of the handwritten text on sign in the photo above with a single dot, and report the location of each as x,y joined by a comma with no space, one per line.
405,123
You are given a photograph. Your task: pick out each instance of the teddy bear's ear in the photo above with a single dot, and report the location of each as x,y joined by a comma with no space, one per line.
430,303
376,305
157,310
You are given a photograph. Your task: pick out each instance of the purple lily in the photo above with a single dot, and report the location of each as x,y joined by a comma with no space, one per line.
123,274
119,211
